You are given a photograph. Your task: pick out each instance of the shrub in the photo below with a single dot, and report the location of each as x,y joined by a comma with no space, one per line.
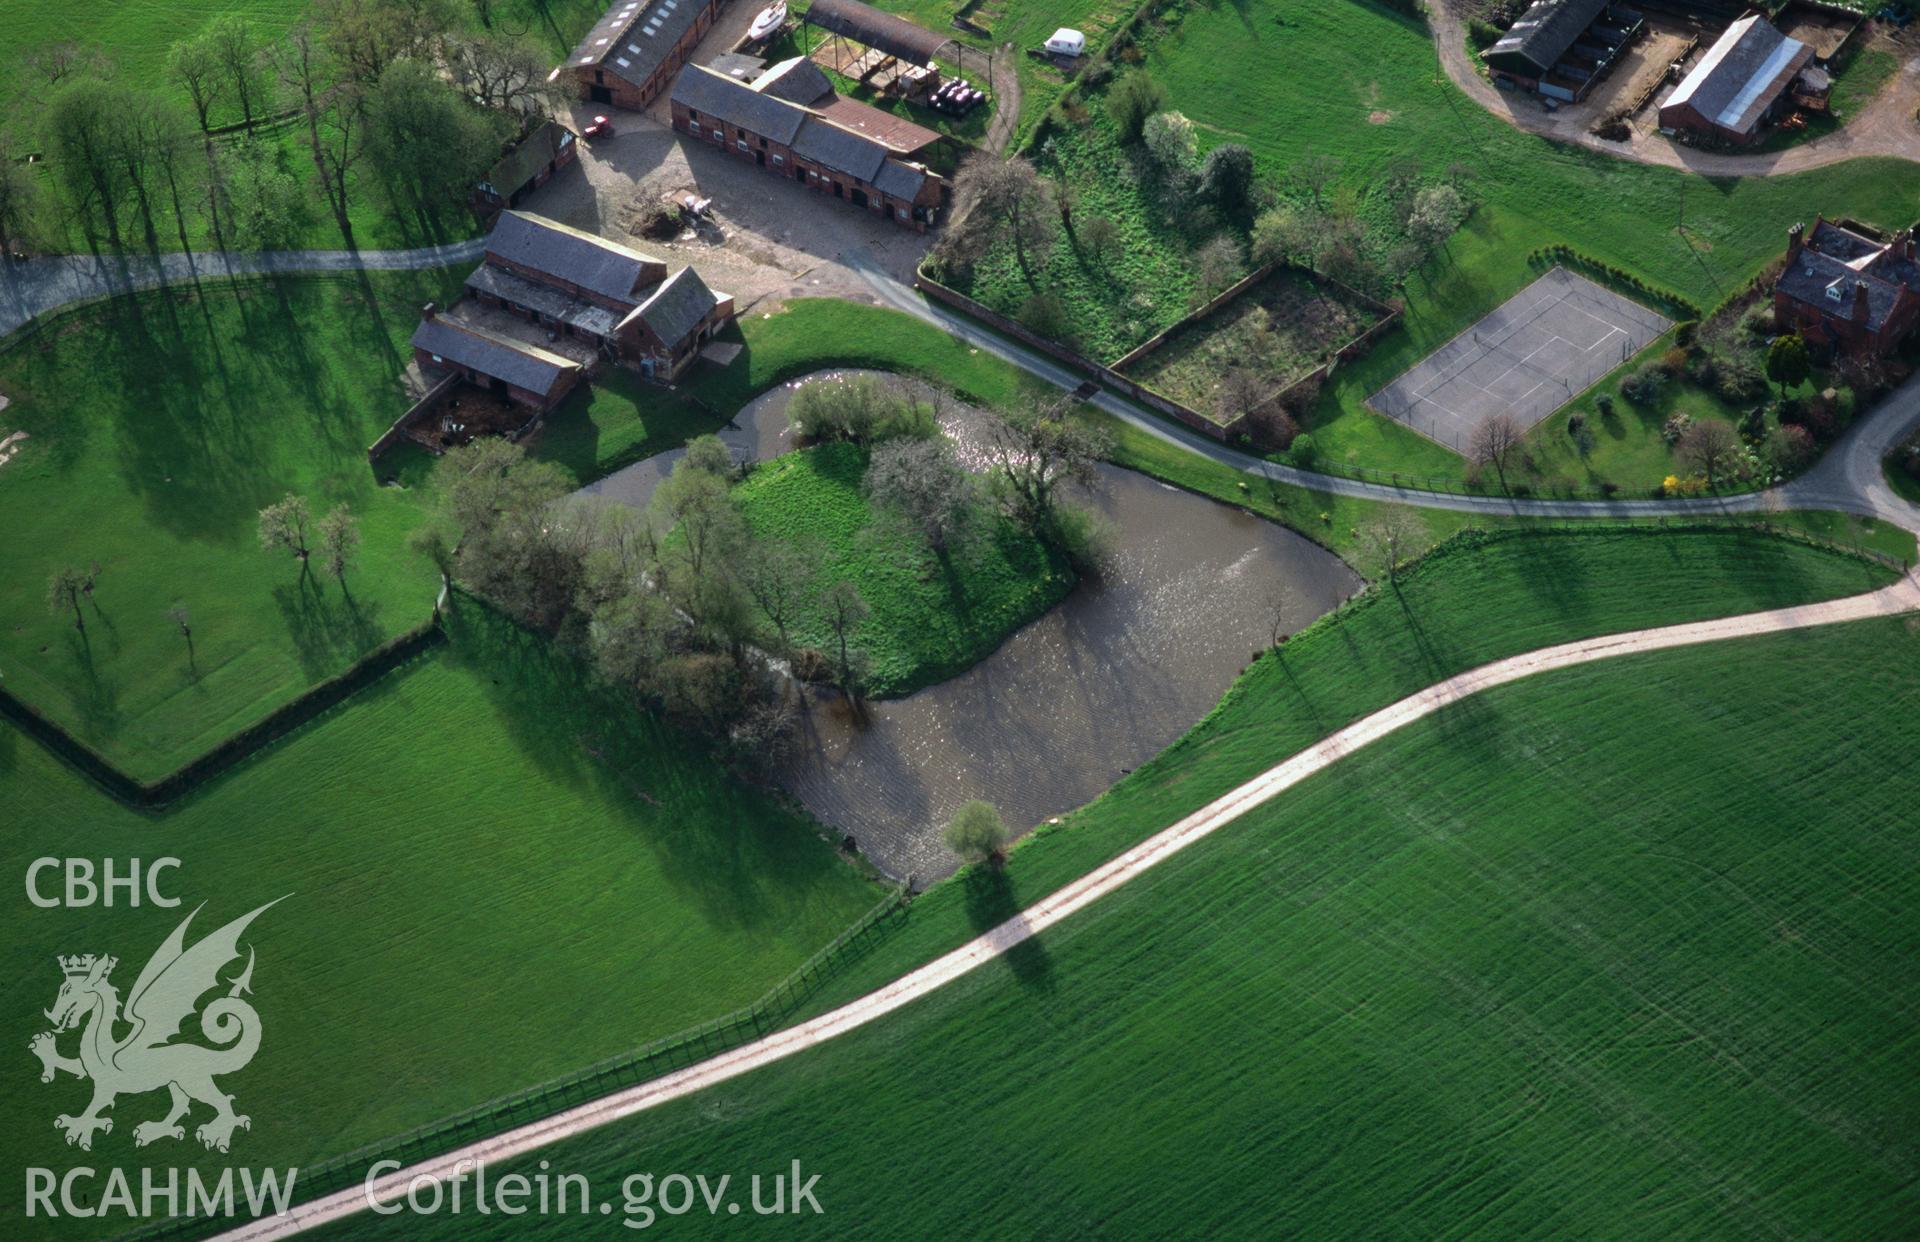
1676,427
1226,179
1644,385
1044,314
1673,362
1482,34
1604,403
976,832
810,664
1302,449
1685,332
1132,101
1170,140
1753,424
1790,447
860,408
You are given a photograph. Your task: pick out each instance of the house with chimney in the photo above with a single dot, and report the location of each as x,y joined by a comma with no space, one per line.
550,304
1847,291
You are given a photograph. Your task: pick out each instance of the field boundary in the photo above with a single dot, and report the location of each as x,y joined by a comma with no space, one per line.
662,1056
236,748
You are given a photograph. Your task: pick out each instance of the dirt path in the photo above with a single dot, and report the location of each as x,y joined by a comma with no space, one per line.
1885,127
1902,597
1006,99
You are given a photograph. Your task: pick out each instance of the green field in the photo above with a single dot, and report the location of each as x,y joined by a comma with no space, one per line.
159,426
1614,951
1353,80
932,616
498,874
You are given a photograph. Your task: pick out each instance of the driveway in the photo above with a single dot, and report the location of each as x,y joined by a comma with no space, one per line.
766,239
1885,127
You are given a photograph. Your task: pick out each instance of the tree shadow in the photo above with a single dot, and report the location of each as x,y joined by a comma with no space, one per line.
992,906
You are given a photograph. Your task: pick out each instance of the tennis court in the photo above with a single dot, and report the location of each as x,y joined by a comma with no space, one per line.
1531,355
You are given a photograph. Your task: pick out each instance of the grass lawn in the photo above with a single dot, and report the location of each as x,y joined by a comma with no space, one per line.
1583,954
932,616
624,420
1291,78
498,874
160,425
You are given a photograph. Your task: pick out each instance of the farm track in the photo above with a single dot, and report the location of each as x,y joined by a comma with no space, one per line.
1883,128
1901,597
44,285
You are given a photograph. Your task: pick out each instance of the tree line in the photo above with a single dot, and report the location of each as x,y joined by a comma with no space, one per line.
248,123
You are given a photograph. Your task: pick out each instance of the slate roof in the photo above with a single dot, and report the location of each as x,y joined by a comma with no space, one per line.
1542,34
718,97
525,162
676,308
842,150
1834,263
514,362
607,268
797,80
634,38
900,180
1741,75
863,23
594,320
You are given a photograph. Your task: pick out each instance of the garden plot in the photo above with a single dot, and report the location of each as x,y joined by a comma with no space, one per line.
1528,357
1278,330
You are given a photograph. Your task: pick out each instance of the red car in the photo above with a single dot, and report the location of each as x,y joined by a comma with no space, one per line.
601,128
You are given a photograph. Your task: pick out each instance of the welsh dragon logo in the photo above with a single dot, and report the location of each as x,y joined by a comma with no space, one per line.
165,995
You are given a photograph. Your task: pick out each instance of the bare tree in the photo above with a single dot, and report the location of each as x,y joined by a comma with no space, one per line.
178,615
778,577
286,524
503,73
194,64
1005,198
846,610
1313,174
1710,447
923,483
1280,600
1496,443
1035,449
65,589
237,49
339,541
1388,539
330,107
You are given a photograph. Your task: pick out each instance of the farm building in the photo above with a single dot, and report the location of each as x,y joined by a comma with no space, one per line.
790,122
547,297
632,52
879,49
1846,291
531,163
519,371
1741,82
1560,48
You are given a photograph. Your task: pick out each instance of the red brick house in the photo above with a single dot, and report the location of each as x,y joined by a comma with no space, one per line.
549,303
529,165
832,145
632,52
1846,291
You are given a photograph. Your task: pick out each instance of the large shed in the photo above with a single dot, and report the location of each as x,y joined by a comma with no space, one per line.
896,36
1560,48
1737,84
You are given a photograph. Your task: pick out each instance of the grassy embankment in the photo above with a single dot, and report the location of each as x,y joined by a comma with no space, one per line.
1371,99
496,873
1584,949
933,616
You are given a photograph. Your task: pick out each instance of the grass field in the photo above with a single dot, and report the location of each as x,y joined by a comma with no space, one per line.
932,616
159,426
498,874
1353,80
1611,951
